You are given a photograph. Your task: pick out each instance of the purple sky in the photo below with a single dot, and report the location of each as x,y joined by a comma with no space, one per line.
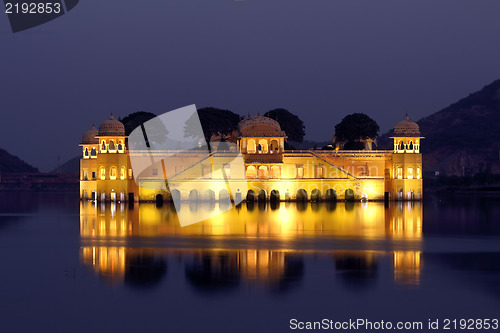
321,59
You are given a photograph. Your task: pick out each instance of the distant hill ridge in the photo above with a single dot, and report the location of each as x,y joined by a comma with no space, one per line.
13,164
70,166
463,138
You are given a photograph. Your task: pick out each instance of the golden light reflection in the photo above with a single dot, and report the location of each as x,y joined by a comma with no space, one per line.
407,267
116,264
212,268
405,220
263,265
109,262
106,232
284,221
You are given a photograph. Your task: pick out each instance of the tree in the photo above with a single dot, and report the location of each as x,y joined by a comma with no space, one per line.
157,132
289,122
136,119
355,128
213,121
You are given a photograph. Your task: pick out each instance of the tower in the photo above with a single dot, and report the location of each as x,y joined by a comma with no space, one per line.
88,164
104,166
407,161
113,162
262,143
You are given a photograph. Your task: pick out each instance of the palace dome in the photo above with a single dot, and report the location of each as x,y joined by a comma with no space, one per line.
260,126
111,127
89,137
407,127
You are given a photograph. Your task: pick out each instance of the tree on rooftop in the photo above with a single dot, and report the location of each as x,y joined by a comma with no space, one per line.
354,129
290,123
157,132
214,122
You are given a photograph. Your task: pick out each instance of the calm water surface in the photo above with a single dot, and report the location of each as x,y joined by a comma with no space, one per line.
68,266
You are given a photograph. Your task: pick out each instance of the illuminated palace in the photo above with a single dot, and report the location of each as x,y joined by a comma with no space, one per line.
270,172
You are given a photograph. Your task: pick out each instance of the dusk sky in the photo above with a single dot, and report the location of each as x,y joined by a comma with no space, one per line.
320,59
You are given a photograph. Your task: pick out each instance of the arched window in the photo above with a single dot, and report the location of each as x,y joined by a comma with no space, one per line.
194,195
275,172
175,195
251,146
122,173
262,196
400,173
264,146
251,196
103,173
112,173
349,195
112,145
274,147
409,173
86,154
401,145
263,172
224,196
301,195
93,152
159,200
316,195
331,195
209,195
300,171
259,148
103,146
410,146
120,147
251,172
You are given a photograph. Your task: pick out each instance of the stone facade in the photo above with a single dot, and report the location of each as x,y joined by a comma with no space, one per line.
269,173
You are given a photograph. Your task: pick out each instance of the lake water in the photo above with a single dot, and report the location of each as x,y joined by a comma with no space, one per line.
68,266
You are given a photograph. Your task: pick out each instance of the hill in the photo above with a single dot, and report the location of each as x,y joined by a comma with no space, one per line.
70,166
13,164
463,138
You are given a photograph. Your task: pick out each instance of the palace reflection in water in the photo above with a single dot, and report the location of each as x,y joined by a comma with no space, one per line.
254,245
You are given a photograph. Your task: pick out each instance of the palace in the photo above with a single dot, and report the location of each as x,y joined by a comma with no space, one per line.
270,172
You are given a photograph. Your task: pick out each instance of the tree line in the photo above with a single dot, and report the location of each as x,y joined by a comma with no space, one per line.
350,133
